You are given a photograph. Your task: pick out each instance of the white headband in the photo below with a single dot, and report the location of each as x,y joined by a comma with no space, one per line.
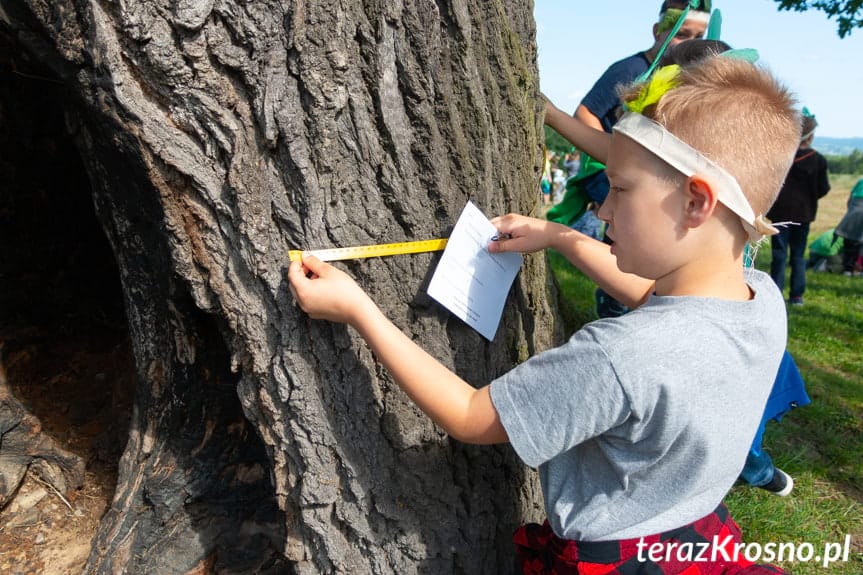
689,161
698,16
693,15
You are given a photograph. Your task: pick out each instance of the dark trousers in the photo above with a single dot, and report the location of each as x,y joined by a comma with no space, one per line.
607,306
850,253
791,239
758,469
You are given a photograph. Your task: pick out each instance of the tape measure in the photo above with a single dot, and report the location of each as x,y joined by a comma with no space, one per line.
372,251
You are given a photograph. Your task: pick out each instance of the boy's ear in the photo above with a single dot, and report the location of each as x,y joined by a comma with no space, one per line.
701,201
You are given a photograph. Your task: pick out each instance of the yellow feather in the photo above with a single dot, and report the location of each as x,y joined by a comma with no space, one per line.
663,80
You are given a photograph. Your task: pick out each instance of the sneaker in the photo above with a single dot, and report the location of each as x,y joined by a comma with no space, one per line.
781,484
847,274
795,301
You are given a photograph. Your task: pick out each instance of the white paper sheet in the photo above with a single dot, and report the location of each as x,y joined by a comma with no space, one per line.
469,281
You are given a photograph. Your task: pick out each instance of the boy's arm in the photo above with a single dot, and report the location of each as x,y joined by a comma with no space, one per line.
586,136
584,114
591,256
464,412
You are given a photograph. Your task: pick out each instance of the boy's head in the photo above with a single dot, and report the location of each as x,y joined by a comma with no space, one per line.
740,117
725,121
808,125
687,53
701,6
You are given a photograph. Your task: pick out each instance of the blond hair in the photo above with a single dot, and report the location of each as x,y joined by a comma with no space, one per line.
739,116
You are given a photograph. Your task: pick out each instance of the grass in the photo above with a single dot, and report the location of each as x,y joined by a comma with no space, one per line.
820,445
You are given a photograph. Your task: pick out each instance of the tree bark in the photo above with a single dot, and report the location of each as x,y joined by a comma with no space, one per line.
23,446
219,134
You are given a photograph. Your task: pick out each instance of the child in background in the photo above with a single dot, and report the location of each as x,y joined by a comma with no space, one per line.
546,180
796,207
825,252
558,182
571,163
788,392
850,229
589,224
639,425
599,110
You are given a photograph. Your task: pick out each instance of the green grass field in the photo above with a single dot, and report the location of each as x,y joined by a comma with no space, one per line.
820,445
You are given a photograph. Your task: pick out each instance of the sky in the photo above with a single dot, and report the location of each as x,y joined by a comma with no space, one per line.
577,40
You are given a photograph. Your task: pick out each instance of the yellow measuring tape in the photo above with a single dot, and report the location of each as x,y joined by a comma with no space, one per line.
372,251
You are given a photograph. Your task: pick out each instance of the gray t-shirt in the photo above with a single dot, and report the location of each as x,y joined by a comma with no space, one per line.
641,424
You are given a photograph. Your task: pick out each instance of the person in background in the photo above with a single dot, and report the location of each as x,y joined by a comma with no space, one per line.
589,224
571,163
825,252
788,393
558,183
600,106
850,229
546,180
795,210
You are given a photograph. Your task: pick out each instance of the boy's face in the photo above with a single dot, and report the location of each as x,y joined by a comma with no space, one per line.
642,209
690,30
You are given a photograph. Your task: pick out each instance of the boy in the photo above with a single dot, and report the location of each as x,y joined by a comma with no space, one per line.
639,425
789,388
599,108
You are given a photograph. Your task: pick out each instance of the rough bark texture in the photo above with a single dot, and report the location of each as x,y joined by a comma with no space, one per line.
23,446
219,134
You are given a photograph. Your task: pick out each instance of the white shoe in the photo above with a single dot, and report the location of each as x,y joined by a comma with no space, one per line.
781,484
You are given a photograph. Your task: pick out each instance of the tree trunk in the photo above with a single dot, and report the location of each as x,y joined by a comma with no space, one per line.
25,447
219,134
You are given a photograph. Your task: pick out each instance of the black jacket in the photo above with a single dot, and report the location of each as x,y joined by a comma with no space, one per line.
805,184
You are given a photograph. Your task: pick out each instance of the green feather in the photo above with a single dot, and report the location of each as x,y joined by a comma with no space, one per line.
714,27
746,54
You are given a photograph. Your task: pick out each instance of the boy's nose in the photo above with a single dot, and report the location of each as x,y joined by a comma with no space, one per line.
604,212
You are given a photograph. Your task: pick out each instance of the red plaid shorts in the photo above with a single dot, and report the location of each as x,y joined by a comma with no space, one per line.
688,550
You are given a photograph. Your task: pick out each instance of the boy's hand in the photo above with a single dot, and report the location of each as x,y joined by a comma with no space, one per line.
325,292
550,108
526,234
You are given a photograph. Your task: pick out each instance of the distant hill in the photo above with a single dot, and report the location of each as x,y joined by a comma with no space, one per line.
837,146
